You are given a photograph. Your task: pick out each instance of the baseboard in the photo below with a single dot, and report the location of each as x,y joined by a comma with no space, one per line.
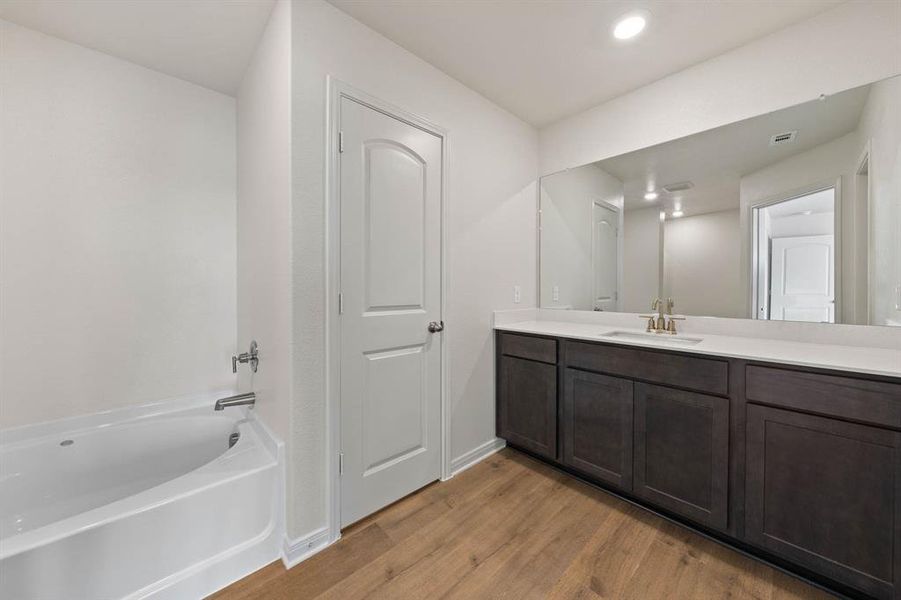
299,549
477,454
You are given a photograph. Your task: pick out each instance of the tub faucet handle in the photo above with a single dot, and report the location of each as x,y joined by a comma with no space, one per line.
251,357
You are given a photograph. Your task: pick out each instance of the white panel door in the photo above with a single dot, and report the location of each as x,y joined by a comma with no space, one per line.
803,279
390,178
605,229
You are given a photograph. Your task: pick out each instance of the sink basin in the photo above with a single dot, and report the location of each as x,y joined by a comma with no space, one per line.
660,338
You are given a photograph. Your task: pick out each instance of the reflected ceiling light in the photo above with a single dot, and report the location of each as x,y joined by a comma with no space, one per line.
663,215
630,25
677,213
650,196
677,206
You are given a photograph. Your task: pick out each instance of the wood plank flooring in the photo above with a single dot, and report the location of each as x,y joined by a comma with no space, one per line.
511,527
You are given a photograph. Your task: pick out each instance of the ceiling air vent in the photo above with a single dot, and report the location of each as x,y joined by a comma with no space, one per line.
681,186
786,137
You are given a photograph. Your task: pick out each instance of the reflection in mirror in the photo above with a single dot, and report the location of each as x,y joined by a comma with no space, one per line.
793,215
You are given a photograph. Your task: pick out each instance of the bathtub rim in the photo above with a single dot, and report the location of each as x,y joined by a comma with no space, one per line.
257,449
35,432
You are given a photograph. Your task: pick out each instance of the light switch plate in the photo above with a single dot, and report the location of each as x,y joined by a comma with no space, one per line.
517,294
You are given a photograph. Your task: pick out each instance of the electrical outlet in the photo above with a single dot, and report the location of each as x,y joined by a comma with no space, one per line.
556,293
517,294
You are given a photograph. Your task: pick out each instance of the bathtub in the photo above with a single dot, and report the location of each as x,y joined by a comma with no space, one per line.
171,500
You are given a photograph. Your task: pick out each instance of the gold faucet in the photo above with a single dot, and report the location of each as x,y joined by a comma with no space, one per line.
663,321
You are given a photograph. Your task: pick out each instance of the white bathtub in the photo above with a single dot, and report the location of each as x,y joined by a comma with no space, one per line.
147,502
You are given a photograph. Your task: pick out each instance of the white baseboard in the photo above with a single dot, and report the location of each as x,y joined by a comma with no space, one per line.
299,549
475,455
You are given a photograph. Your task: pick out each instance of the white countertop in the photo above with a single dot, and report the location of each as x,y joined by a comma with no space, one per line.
874,361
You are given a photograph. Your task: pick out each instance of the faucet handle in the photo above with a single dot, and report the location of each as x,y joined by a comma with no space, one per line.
671,327
251,357
652,324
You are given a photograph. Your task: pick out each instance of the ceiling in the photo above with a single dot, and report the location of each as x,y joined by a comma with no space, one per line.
207,42
715,160
547,59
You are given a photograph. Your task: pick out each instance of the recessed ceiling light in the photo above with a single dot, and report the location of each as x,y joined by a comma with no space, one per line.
650,196
677,213
630,25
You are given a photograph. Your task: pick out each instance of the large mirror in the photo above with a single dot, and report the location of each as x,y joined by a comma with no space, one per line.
793,215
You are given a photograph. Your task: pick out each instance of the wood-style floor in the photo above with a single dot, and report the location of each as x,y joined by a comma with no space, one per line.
511,527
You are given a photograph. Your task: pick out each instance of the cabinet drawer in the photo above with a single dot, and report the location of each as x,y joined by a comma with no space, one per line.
677,370
531,348
862,400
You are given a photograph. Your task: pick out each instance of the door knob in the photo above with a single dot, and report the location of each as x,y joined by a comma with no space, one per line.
436,326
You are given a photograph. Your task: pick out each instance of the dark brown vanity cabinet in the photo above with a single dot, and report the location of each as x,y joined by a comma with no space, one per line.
598,426
527,393
799,465
682,452
826,494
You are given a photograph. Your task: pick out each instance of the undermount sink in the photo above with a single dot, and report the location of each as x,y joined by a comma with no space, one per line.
661,338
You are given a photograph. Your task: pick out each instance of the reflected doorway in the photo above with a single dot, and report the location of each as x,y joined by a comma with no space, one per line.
795,258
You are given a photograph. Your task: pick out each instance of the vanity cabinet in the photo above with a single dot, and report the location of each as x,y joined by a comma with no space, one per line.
527,393
800,466
682,452
597,426
826,494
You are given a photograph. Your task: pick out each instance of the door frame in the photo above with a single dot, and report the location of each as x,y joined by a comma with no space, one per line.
335,91
750,238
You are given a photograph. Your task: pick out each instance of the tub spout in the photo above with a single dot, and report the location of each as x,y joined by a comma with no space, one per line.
239,400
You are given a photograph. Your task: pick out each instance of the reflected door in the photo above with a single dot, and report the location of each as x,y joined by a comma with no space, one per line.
605,231
390,177
803,279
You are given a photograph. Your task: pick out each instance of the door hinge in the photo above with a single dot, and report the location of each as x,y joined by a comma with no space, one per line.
340,142
340,304
340,463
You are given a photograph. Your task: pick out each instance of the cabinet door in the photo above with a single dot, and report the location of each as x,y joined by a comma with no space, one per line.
527,405
597,426
826,494
682,452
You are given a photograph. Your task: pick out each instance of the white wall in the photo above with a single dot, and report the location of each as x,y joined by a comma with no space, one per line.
642,251
701,255
117,232
567,200
826,163
853,44
491,227
880,124
802,225
264,220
